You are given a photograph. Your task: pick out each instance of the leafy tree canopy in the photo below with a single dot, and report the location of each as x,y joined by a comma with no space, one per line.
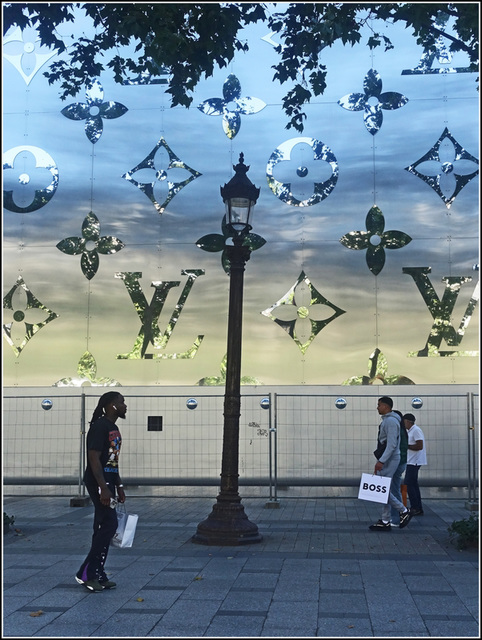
187,41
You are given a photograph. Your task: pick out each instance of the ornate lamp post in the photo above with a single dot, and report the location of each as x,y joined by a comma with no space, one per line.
228,524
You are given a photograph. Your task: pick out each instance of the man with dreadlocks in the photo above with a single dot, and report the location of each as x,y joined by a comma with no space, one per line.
103,482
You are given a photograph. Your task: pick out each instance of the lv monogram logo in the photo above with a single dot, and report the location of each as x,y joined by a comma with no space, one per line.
149,316
441,311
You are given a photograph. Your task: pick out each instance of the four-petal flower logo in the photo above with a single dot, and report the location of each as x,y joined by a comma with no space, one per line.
90,245
26,309
93,110
438,167
231,106
378,372
301,312
375,240
214,242
159,177
87,372
372,101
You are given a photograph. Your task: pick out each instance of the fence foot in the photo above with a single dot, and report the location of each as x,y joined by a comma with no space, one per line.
80,501
272,504
472,506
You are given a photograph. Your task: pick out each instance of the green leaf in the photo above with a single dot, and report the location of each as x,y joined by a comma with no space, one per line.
212,242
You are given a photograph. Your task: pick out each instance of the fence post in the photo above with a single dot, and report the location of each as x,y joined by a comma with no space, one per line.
273,502
471,503
81,500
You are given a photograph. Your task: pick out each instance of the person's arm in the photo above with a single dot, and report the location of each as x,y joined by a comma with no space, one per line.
418,446
97,472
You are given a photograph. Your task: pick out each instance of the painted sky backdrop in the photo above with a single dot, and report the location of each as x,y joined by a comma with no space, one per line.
370,218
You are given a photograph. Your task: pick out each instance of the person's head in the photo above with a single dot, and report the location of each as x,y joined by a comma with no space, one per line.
408,420
111,405
385,405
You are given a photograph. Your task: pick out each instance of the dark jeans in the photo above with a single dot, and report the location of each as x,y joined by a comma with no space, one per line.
105,526
413,490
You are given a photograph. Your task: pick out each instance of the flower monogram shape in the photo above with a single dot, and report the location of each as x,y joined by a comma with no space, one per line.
214,381
294,309
309,169
87,371
216,242
22,48
94,110
375,240
377,371
28,175
438,167
231,106
30,311
148,168
90,245
372,101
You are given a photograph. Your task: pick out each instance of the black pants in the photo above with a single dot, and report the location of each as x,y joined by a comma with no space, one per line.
105,526
413,490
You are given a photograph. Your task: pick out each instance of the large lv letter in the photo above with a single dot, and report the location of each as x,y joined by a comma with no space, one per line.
441,312
149,316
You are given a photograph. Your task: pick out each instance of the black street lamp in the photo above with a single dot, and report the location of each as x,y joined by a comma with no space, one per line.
228,524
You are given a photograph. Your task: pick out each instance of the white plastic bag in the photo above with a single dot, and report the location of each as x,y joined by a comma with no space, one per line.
126,528
374,488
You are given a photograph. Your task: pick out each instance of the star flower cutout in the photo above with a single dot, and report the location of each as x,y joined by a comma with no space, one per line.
150,166
372,101
231,106
216,242
94,110
378,372
447,167
87,372
90,245
375,240
302,312
27,309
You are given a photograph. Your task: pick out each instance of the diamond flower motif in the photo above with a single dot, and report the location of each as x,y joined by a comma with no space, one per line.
22,49
292,312
161,175
231,106
214,242
90,245
375,240
94,110
25,311
447,167
87,372
372,101
378,372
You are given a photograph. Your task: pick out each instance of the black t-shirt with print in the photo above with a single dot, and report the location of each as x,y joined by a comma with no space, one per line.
104,436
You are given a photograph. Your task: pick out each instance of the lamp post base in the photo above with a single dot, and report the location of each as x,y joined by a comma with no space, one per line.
227,525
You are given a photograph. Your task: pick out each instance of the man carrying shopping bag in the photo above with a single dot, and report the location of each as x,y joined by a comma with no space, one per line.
388,454
103,482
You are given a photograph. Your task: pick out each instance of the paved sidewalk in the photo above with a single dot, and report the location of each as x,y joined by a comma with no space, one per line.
318,571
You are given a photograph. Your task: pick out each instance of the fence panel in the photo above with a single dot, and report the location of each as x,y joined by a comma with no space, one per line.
310,443
319,444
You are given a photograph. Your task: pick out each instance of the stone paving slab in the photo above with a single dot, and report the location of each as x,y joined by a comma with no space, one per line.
318,572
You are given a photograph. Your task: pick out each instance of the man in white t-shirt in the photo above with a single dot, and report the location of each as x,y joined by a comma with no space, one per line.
416,457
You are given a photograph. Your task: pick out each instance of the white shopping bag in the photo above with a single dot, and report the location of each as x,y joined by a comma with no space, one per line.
126,529
374,488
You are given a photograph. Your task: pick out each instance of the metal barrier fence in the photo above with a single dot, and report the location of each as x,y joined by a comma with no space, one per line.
285,440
